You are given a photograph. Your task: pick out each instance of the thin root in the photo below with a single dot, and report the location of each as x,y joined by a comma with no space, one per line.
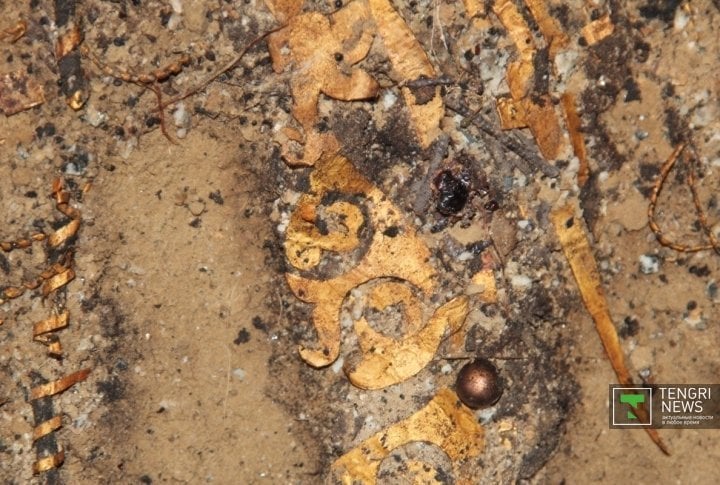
146,80
702,217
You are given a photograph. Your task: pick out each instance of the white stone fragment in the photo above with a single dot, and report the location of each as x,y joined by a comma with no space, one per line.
649,263
520,282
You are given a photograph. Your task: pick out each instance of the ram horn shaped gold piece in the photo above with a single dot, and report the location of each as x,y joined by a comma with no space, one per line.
444,422
385,360
394,251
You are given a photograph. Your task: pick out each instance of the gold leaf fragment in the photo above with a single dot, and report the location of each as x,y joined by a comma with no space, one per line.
59,385
51,324
544,126
574,126
474,7
443,422
42,332
575,245
554,36
386,361
47,427
322,49
57,281
305,242
284,10
537,112
409,62
48,462
13,292
539,117
483,283
598,29
512,113
64,233
14,33
394,251
68,42
520,72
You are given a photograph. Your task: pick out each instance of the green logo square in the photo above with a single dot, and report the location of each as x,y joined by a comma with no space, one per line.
631,406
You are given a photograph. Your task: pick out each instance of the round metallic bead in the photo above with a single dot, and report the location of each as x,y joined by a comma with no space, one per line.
478,384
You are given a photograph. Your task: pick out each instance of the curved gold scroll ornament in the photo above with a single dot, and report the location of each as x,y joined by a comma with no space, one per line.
394,251
387,361
444,422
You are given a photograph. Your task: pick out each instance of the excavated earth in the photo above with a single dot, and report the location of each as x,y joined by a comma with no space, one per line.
180,306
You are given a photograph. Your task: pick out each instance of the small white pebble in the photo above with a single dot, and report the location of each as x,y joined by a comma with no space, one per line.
520,281
465,256
81,422
94,117
337,365
486,415
239,374
681,19
389,99
649,263
181,116
446,369
72,169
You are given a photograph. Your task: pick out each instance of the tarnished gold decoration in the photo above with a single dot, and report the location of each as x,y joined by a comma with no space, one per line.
386,361
522,110
59,385
444,422
691,159
394,251
598,29
49,462
575,245
322,49
47,427
410,63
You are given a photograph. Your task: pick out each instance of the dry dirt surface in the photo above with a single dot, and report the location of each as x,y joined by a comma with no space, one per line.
180,307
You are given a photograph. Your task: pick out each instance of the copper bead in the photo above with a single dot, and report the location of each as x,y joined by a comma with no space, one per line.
478,384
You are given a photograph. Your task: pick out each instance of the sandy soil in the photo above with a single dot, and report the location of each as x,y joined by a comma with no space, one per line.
180,305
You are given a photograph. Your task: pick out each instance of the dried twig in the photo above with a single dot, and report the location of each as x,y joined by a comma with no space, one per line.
702,217
422,186
148,80
509,140
227,67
